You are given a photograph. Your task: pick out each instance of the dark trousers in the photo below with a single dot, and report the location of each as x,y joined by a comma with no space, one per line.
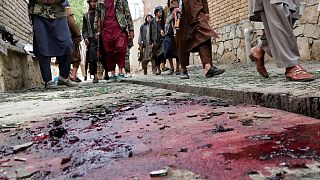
45,66
160,59
92,66
205,52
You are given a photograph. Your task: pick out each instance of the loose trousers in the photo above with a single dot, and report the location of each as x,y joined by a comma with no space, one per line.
278,40
45,66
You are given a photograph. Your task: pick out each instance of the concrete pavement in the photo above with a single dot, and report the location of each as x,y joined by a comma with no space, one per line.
242,84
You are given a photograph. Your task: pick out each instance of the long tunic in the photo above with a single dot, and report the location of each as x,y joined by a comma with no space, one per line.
76,38
194,29
51,37
87,33
256,5
112,33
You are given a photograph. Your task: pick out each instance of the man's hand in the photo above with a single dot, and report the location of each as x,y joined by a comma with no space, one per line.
175,11
97,35
131,34
207,17
86,41
162,33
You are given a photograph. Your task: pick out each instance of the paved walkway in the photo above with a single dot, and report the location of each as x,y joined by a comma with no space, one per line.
243,84
126,131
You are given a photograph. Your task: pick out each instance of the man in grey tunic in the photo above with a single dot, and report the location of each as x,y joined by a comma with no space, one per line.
278,40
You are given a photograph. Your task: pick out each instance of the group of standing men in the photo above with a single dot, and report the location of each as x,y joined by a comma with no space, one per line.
194,34
108,26
161,40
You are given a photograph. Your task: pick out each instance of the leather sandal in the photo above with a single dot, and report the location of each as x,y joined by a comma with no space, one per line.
259,63
297,73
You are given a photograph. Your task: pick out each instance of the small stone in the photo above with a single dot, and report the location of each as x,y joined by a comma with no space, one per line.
66,160
207,146
169,94
217,113
183,150
118,136
233,117
152,114
283,164
159,173
163,127
126,109
5,130
21,147
58,132
140,136
130,154
20,159
192,115
247,121
268,116
131,118
73,139
252,172
171,114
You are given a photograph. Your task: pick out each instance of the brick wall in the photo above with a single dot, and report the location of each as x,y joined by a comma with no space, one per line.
14,16
227,12
149,5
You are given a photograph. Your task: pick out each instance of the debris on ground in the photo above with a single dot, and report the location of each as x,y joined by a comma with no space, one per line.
159,173
21,147
192,115
40,137
152,114
131,118
66,160
20,159
266,116
183,150
220,129
57,132
10,125
128,108
247,121
207,146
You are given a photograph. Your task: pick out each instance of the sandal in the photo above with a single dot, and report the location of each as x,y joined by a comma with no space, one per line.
297,73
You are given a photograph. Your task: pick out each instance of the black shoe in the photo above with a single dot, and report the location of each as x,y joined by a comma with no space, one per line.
77,80
95,80
85,78
66,82
184,76
50,85
171,71
106,77
178,72
145,71
214,71
165,69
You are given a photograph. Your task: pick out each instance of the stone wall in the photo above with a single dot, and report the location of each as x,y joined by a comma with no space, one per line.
17,69
307,31
14,16
230,47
